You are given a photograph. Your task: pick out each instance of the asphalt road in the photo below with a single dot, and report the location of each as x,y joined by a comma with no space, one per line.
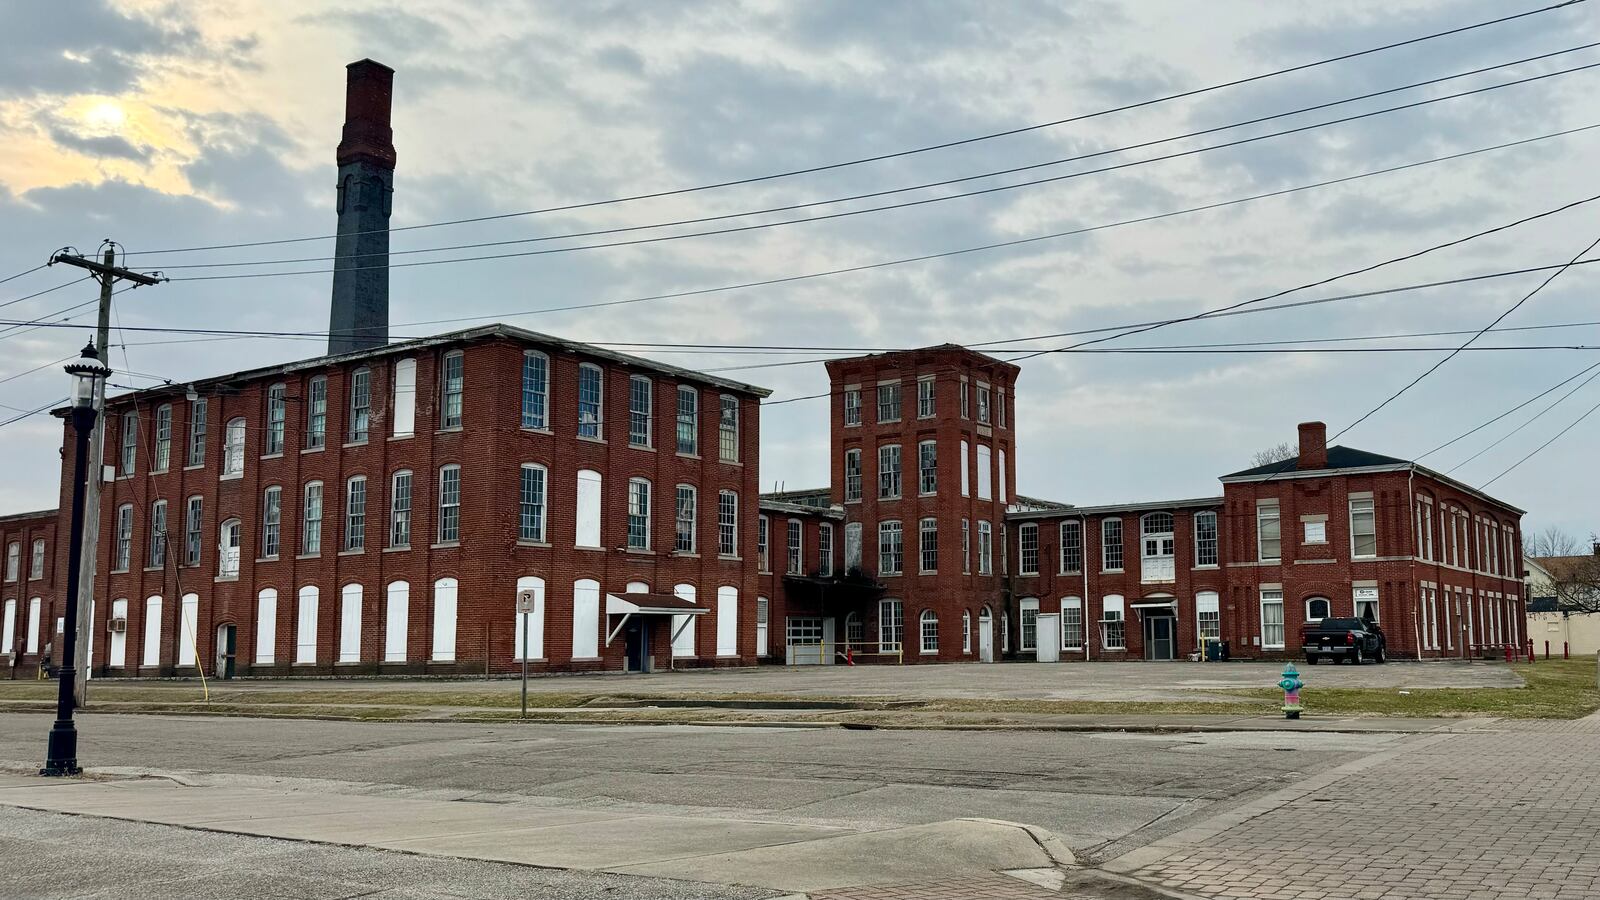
1097,792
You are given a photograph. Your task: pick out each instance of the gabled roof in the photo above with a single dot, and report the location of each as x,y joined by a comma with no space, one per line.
29,516
1339,457
1073,512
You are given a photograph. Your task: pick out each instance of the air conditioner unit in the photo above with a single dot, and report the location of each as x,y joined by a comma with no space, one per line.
116,626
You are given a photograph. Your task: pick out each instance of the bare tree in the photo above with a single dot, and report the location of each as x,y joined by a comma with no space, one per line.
1274,454
1577,584
1552,541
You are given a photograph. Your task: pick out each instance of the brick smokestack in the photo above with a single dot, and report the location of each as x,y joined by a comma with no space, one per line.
1313,446
360,310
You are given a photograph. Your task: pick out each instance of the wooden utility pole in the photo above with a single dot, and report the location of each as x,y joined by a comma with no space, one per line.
108,274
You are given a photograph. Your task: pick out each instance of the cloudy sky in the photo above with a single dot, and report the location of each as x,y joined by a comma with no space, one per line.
170,125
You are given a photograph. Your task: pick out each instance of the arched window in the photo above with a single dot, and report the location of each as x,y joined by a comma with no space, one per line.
397,607
317,412
929,629
449,504
403,399
683,626
273,443
727,621
638,514
591,392
305,631
588,518
531,503
271,522
361,404
350,624
444,620
13,560
535,389
763,611
151,645
233,448
451,389
1317,609
228,544
966,631
163,454
585,619
266,625
400,509
855,630
1158,547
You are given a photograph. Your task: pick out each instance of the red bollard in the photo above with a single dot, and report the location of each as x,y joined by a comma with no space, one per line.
1564,653
1508,653
1530,649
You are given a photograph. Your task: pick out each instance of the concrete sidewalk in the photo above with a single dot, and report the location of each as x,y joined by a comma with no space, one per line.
778,856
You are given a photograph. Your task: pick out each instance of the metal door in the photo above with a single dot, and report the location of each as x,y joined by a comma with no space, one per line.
1159,640
985,637
227,647
1047,637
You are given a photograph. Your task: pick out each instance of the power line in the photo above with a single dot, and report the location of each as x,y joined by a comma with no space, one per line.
1528,402
1539,448
886,192
924,149
909,203
22,273
1536,416
1452,354
48,406
45,291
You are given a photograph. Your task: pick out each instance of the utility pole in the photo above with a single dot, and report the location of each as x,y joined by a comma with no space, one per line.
108,274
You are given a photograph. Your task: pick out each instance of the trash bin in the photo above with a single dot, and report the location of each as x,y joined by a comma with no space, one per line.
1216,651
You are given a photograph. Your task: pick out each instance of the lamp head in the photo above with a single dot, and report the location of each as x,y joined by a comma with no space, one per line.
87,373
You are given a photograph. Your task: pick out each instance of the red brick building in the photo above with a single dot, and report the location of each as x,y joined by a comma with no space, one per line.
379,511
28,587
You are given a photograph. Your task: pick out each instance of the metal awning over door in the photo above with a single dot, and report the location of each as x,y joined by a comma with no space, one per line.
629,605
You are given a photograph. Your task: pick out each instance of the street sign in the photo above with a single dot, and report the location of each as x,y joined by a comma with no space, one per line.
524,610
524,602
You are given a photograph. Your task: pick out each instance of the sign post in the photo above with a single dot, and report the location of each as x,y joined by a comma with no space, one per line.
524,609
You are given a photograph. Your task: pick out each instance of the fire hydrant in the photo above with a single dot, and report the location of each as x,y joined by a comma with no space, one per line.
1291,685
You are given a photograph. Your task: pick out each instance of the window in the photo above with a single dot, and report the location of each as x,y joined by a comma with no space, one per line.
852,407
852,546
1316,531
360,404
163,456
355,513
641,410
852,475
928,545
891,548
763,560
966,631
728,429
797,563
452,384
130,440
687,501
1317,609
588,524
1269,534
228,549
638,514
1208,616
1157,548
535,389
1071,623
728,523
13,560
155,557
889,402
36,560
1363,528
966,472
311,519
316,413
590,403
825,549
276,414
930,629
197,432
191,532
966,547
925,405
124,547
400,509
403,398
983,404
1205,539
271,516
985,548
1071,547
1424,513
1366,603
891,625
1113,628
966,407
449,504
1028,549
233,449
530,503
928,467
889,472
1000,406
1111,545
1001,470
688,420
1028,625
1272,620
985,472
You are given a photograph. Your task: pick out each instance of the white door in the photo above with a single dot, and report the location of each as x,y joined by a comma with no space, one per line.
1047,627
394,622
119,639
828,642
985,637
350,624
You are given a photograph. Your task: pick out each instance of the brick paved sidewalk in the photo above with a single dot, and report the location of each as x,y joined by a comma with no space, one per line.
1482,816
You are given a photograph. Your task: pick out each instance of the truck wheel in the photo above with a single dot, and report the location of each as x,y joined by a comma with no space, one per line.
1381,657
1359,658
1312,659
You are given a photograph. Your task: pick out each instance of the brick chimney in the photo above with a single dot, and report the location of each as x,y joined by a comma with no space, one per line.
1313,446
359,318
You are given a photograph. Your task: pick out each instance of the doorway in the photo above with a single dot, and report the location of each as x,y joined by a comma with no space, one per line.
227,646
1160,640
985,636
637,642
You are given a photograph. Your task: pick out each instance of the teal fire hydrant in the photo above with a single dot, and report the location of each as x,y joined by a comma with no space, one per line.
1291,685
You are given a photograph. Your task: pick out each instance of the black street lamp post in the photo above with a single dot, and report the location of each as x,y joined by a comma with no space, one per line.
62,756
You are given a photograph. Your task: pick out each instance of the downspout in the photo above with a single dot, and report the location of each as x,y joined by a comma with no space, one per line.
1083,568
1416,620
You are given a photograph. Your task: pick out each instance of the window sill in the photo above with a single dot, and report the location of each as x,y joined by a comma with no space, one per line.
686,554
645,447
160,471
1079,572
448,429
591,440
638,551
523,543
317,555
927,571
306,450
278,455
397,437
1278,561
856,500
401,549
533,429
1113,571
852,424
220,579
883,499
148,569
584,659
694,456
230,477
266,559
356,552
445,545
361,443
894,421
1207,566
1027,574
531,659
730,557
890,574
119,572
730,462
589,547
194,467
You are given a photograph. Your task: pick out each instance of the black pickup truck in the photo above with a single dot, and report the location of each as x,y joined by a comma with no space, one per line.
1356,640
